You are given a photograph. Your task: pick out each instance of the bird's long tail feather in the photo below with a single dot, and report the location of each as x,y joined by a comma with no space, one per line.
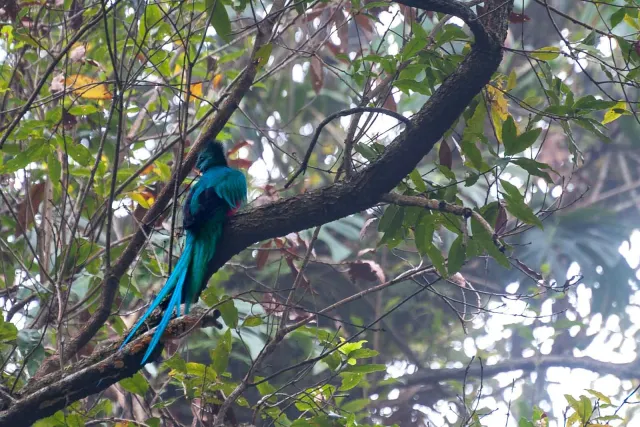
174,284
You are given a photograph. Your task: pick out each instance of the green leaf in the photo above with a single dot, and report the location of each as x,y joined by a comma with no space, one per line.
418,181
456,256
355,405
525,422
599,395
509,131
219,19
137,384
251,321
533,168
263,54
83,110
424,233
265,388
8,331
546,53
350,380
38,150
365,369
363,353
405,85
516,205
79,153
437,259
220,355
484,240
617,17
474,155
590,102
229,313
413,46
394,227
54,167
522,142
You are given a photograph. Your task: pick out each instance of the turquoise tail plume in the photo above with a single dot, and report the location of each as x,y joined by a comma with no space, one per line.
175,285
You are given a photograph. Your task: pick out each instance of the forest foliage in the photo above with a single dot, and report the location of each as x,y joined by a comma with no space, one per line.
438,194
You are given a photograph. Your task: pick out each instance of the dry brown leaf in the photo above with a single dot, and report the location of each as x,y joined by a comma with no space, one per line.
444,154
77,53
317,78
365,270
29,207
263,255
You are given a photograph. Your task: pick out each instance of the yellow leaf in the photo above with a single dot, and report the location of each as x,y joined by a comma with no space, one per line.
88,87
546,53
177,70
620,109
498,102
632,22
196,89
217,81
142,201
511,83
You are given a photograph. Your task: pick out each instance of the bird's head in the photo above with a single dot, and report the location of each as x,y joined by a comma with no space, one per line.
211,155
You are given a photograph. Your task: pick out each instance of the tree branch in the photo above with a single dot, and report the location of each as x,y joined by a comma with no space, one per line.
102,369
532,364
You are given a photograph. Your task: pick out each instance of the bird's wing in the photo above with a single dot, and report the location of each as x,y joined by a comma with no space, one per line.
201,204
232,188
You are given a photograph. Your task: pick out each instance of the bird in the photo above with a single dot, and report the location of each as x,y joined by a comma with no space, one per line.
217,195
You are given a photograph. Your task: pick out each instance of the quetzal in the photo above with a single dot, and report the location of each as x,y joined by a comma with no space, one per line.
218,194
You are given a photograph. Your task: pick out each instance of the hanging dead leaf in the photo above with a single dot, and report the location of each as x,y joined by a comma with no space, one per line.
75,11
88,87
365,24
365,227
501,219
317,78
459,280
212,64
68,120
365,270
263,255
77,53
57,83
29,207
444,154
